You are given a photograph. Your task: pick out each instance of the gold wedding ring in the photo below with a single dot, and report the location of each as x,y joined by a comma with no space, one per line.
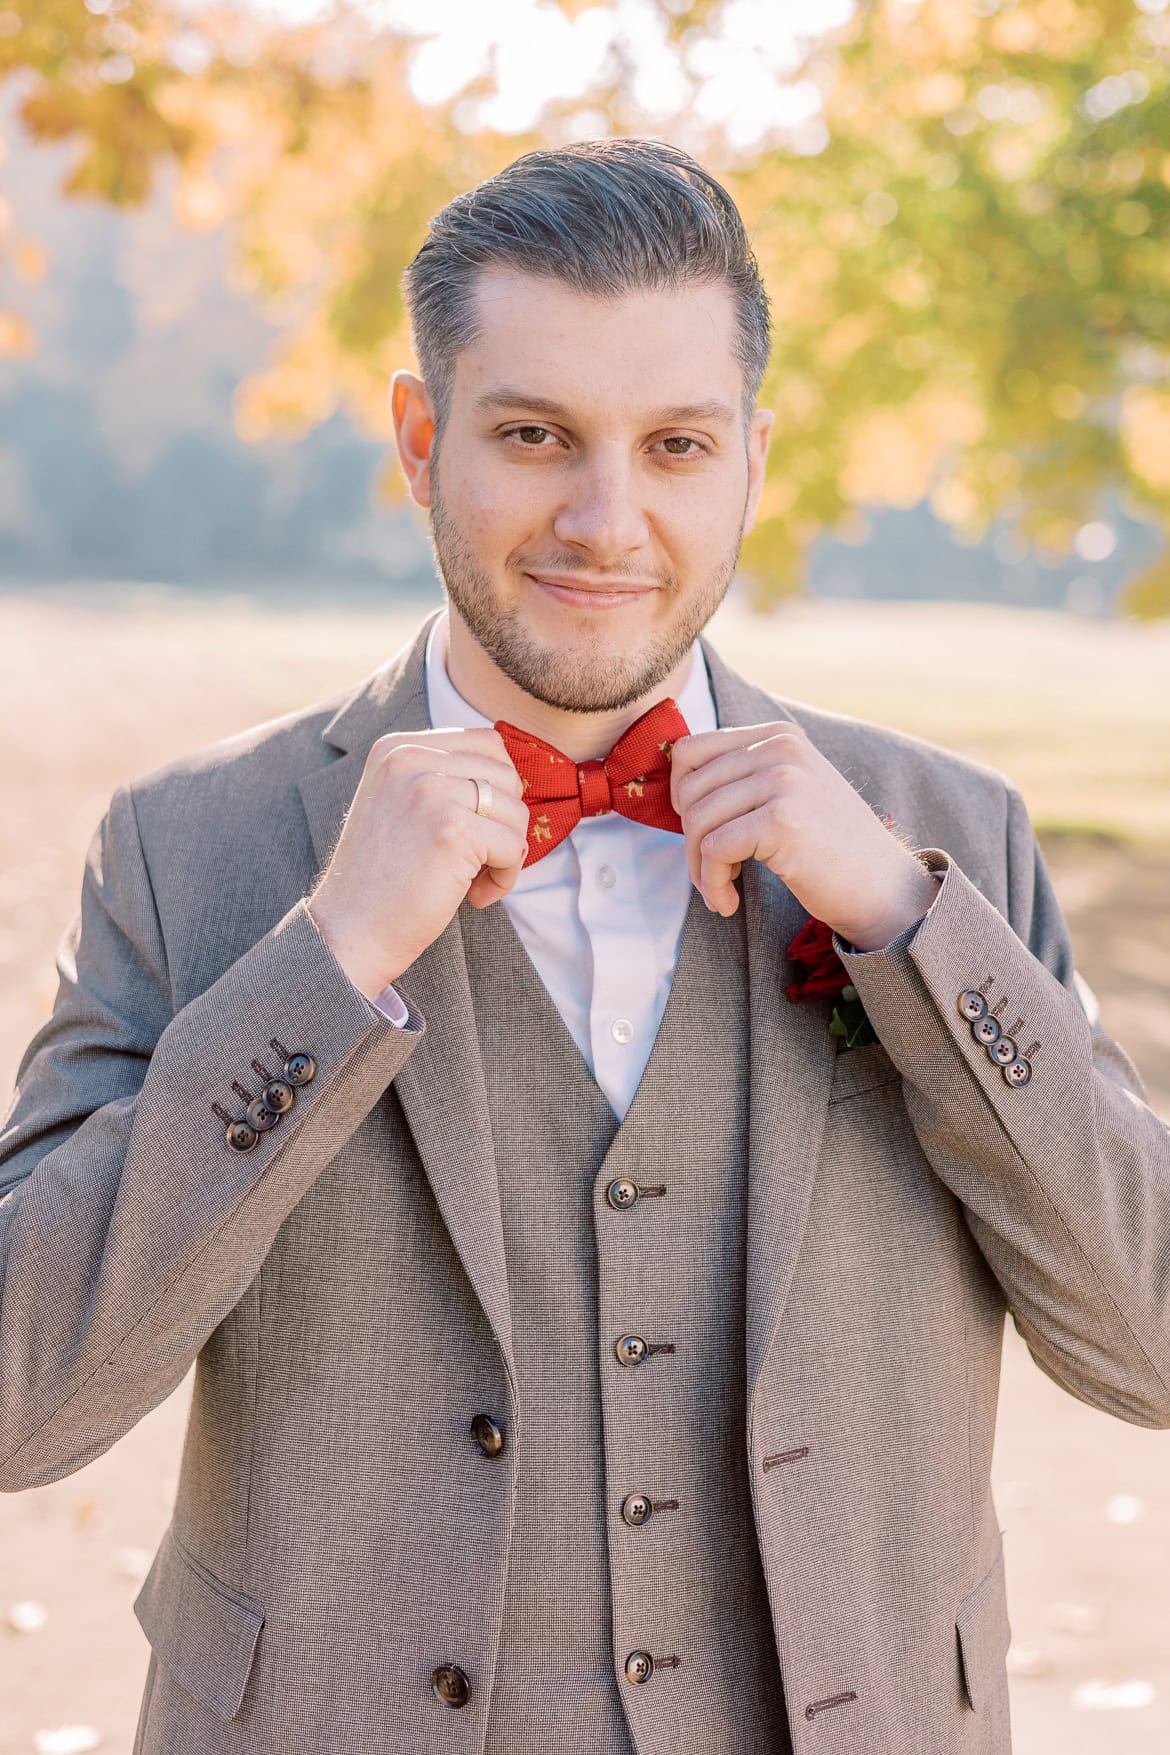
483,797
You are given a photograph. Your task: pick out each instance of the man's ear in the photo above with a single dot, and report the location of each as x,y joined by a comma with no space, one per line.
759,438
414,432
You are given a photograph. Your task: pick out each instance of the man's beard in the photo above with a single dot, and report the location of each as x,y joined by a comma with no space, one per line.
585,675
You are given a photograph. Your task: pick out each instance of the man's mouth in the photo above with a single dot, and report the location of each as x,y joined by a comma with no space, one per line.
587,594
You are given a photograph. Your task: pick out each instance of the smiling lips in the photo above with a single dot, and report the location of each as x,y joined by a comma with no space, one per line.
588,595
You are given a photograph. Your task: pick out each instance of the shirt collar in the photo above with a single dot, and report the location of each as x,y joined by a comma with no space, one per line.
446,706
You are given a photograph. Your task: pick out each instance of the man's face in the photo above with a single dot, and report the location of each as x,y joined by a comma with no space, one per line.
593,483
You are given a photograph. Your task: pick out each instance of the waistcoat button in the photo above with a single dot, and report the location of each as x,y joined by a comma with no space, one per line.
450,1685
639,1666
636,1509
487,1435
630,1349
621,1193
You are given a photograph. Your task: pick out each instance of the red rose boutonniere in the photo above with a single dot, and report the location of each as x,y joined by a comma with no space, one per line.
812,950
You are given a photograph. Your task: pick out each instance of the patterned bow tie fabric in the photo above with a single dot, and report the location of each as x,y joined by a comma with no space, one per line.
634,779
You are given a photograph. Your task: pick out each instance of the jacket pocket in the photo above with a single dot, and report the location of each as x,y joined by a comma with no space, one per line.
199,1627
859,1069
984,1634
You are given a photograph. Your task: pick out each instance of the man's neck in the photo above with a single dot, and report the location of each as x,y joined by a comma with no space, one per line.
582,736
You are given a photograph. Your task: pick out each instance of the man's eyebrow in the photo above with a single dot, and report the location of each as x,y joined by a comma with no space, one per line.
681,413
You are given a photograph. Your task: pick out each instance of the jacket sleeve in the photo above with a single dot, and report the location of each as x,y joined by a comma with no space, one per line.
129,1227
1064,1179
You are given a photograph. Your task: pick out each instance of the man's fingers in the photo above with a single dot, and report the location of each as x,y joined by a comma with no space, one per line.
416,759
703,747
727,803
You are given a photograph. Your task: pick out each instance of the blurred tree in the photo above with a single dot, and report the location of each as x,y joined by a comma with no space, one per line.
967,248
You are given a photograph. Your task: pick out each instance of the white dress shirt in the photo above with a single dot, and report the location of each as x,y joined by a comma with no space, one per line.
601,916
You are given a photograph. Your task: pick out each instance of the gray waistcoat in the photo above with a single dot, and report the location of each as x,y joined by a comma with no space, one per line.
586,1588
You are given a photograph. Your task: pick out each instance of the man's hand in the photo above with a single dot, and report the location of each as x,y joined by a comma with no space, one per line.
766,792
413,847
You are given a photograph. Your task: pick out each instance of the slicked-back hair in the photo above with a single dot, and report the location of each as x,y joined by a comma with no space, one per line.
605,217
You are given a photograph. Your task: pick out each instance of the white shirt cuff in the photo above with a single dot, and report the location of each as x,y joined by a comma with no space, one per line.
392,1006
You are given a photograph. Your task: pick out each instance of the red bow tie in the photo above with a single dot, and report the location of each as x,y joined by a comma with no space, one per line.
634,779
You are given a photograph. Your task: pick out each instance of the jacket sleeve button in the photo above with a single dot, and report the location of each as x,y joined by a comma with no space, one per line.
450,1685
241,1136
259,1116
972,1005
300,1068
279,1096
1017,1071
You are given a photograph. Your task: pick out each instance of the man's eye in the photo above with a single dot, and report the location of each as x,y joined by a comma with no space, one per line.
529,436
682,439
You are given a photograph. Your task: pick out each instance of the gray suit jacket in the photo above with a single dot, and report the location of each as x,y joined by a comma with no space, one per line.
342,1286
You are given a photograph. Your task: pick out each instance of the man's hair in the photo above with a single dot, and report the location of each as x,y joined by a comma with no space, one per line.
605,217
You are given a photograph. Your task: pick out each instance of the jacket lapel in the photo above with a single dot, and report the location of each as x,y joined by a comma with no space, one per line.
441,1087
791,1064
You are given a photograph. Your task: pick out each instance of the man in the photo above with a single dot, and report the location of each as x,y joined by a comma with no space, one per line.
595,1353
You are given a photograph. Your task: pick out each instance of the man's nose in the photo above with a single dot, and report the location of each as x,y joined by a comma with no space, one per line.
602,512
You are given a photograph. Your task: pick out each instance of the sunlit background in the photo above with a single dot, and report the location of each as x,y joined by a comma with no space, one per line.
962,210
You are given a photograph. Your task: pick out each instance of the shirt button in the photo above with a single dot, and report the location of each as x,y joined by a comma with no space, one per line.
606,877
622,1030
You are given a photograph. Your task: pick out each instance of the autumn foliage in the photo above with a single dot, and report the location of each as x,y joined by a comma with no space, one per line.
967,251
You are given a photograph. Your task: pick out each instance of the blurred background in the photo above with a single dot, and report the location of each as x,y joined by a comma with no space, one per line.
962,210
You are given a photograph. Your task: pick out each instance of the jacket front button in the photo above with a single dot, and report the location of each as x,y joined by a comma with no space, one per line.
487,1435
450,1685
636,1509
241,1136
639,1667
630,1349
973,1005
300,1068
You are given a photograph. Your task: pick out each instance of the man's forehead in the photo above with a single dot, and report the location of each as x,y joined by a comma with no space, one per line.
548,347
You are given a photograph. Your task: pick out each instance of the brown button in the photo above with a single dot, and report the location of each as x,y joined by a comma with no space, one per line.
260,1116
300,1068
630,1349
487,1435
279,1095
241,1136
621,1193
636,1509
450,1685
639,1667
